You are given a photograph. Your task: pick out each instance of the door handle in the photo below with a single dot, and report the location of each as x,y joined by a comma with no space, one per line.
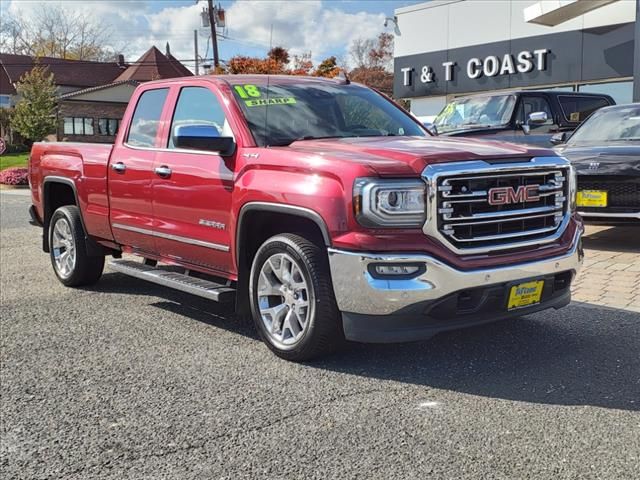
119,167
163,171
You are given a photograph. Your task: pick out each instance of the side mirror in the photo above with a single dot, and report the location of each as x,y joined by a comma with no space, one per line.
559,138
431,127
202,137
535,118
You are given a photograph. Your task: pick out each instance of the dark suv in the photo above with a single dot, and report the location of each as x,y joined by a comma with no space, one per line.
531,117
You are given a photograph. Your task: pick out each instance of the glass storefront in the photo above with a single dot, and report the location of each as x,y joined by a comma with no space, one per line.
622,92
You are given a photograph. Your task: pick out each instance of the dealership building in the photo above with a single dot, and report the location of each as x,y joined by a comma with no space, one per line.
448,48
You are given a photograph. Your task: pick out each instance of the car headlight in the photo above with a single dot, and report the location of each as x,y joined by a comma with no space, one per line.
573,187
390,203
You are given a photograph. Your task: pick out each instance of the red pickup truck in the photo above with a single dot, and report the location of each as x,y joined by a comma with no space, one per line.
319,206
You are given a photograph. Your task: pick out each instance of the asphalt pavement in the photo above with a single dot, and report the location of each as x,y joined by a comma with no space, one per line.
132,380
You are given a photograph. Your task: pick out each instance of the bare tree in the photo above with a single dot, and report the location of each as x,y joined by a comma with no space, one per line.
57,32
359,51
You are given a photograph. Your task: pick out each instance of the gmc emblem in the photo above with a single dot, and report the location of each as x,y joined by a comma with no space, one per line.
506,195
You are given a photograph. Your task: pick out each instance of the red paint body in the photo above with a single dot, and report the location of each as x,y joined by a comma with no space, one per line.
315,174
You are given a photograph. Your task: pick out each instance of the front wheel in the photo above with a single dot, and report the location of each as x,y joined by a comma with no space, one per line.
71,263
292,299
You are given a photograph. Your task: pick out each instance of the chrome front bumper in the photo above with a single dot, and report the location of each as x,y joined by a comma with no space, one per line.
358,292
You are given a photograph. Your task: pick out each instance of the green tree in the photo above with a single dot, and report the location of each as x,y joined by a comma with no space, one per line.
34,115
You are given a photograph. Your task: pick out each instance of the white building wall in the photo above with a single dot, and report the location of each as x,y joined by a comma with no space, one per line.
445,24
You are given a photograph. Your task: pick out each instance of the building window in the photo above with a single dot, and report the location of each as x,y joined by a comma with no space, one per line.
622,92
5,101
78,126
108,126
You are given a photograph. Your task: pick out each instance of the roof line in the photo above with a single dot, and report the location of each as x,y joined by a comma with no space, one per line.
99,87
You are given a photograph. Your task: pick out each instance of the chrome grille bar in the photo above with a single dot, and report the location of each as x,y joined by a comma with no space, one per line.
460,212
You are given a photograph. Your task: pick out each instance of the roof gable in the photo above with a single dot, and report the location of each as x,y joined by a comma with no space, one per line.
154,65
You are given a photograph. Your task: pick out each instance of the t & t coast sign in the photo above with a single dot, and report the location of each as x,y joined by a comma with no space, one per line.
508,64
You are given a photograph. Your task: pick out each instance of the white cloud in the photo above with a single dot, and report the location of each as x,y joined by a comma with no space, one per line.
300,26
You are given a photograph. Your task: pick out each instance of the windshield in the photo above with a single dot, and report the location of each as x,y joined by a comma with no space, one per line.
476,112
611,125
304,111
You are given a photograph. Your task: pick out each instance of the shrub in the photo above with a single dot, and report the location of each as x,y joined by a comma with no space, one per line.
14,176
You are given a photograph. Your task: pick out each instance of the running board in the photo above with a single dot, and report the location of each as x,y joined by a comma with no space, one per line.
178,281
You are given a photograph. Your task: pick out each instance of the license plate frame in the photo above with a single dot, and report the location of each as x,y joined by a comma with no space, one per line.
593,198
525,294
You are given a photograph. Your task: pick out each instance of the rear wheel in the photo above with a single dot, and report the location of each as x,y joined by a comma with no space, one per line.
71,263
292,300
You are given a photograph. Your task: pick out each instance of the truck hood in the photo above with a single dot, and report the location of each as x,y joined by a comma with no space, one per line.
408,156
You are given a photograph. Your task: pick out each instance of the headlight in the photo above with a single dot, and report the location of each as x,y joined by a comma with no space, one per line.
573,188
390,203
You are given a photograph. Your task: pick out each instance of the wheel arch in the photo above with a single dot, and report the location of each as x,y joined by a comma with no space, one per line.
258,221
58,192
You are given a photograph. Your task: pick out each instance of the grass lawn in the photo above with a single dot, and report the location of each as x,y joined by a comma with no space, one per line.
13,160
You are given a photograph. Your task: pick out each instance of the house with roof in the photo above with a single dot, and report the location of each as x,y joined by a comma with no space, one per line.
92,95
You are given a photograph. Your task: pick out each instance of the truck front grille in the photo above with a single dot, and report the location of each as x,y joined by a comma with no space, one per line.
469,215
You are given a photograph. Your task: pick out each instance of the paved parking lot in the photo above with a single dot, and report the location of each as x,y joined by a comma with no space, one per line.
611,273
131,380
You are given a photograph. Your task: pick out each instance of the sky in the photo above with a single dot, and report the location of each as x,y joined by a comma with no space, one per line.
322,27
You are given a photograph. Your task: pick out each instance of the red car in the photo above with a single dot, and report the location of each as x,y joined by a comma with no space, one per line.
319,206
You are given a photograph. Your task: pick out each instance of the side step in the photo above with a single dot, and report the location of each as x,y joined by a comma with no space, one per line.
178,281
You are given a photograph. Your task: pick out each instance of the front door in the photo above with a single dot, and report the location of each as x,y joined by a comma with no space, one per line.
131,173
192,189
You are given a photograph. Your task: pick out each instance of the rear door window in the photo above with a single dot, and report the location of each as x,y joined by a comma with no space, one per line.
146,118
576,109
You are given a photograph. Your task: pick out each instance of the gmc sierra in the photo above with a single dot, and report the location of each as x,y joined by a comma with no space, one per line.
319,206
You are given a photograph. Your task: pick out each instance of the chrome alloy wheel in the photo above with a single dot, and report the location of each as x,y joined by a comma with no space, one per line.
64,248
283,299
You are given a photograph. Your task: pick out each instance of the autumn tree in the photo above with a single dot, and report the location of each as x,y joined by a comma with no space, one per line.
34,114
280,55
327,68
302,64
374,62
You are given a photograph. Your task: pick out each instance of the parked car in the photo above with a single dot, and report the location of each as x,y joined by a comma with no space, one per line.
530,117
605,150
320,207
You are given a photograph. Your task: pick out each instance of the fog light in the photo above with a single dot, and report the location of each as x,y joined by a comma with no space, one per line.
396,270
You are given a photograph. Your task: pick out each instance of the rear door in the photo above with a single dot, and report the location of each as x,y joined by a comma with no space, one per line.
192,189
131,172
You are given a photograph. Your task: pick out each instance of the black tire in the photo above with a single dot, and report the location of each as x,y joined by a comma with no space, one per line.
322,333
85,270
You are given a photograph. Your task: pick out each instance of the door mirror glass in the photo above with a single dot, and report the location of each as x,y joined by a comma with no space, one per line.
202,137
537,118
559,138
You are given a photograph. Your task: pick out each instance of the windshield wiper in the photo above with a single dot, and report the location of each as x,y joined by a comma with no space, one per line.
286,143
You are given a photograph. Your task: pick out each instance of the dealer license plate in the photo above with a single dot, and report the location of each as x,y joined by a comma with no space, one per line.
592,198
525,294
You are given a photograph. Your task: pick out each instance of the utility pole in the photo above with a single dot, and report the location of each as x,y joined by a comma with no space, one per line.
195,50
214,37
